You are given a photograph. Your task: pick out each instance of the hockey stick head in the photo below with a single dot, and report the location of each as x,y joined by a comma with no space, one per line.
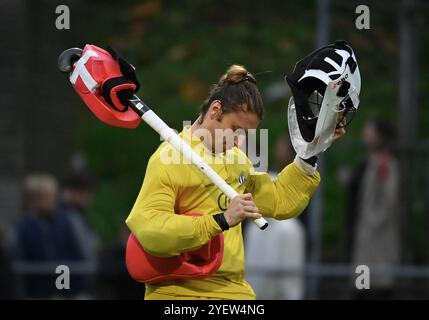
104,81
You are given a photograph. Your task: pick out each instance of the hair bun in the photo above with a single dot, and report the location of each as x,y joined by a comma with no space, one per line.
236,74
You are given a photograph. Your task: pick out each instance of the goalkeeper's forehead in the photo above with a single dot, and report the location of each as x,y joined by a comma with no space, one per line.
243,120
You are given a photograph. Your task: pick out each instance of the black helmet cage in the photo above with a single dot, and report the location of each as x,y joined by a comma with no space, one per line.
308,92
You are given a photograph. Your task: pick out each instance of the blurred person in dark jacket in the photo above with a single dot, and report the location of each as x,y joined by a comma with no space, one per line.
77,194
44,235
372,230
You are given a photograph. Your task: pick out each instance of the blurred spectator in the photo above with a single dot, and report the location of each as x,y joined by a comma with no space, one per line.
76,195
372,229
282,249
43,235
285,154
262,255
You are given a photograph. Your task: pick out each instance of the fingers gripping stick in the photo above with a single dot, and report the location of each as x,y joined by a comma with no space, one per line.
128,116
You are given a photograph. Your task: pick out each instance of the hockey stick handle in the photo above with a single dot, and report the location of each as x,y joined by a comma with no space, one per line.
152,119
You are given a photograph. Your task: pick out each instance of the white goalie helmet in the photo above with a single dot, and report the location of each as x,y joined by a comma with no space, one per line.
325,89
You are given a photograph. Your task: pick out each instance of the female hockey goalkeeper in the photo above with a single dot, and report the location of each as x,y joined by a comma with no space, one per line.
173,189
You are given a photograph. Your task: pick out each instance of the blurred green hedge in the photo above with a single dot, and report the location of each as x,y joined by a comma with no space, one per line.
181,48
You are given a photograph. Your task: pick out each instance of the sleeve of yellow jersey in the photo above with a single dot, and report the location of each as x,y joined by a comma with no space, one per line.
153,220
285,197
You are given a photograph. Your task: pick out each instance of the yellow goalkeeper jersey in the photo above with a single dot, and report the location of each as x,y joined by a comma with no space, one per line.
172,186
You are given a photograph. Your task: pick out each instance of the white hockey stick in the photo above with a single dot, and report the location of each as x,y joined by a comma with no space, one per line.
152,119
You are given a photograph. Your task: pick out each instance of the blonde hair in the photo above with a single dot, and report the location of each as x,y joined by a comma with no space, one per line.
36,184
